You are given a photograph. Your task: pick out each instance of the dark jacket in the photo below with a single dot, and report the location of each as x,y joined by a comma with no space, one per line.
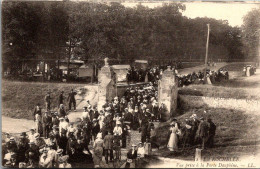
61,97
212,129
46,120
71,97
130,155
203,129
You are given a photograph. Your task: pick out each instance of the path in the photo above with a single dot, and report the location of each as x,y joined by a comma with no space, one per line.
88,92
14,126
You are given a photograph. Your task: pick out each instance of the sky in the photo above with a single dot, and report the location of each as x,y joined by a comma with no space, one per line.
233,12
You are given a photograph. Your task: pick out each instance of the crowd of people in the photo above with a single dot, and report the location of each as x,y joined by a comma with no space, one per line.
57,142
194,131
198,78
154,74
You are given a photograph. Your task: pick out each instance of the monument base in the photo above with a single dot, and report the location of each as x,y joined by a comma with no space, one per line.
199,155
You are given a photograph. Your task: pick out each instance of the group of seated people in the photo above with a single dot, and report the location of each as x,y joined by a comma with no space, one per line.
198,78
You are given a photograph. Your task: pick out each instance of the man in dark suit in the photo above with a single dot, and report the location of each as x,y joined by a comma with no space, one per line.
33,148
23,145
46,124
61,98
203,131
212,131
144,129
131,157
72,99
48,101
108,146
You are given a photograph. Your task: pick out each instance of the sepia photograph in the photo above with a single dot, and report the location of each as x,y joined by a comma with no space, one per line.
130,84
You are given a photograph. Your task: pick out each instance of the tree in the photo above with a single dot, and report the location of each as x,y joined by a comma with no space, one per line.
251,33
20,25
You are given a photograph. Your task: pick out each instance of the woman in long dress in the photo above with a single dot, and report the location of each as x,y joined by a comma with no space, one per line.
98,150
173,140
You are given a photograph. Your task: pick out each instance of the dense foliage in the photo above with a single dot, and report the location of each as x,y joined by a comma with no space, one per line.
251,33
91,31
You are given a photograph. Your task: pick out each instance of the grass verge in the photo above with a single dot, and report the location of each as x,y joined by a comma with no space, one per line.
20,98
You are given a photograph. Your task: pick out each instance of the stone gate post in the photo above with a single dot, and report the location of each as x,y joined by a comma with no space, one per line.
168,92
106,85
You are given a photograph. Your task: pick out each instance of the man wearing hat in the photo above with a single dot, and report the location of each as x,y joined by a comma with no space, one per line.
118,129
57,158
31,161
108,146
212,132
23,145
31,135
131,157
72,100
32,153
194,127
203,131
129,118
61,98
48,101
46,124
61,111
55,132
144,129
39,141
95,129
11,145
45,159
62,142
117,140
86,134
109,121
86,115
37,110
55,119
70,148
63,125
64,162
95,114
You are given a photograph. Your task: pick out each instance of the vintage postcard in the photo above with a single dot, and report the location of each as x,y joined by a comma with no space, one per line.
130,84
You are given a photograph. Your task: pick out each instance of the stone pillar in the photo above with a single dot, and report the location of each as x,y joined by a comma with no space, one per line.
198,155
168,92
248,71
106,85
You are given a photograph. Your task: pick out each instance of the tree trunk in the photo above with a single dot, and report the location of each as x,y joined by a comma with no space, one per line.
68,70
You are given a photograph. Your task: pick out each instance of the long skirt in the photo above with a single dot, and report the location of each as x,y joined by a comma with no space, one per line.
173,142
97,156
